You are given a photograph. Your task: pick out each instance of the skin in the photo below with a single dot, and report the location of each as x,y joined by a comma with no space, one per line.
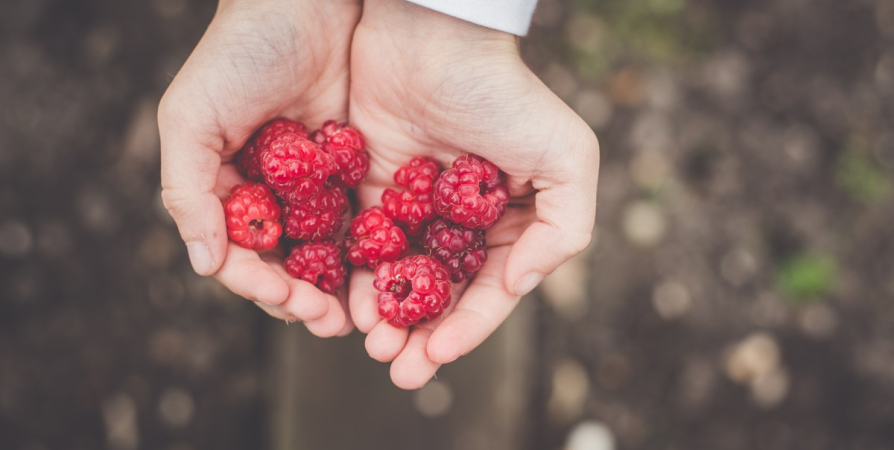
420,84
257,61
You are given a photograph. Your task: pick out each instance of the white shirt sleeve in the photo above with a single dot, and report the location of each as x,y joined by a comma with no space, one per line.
511,16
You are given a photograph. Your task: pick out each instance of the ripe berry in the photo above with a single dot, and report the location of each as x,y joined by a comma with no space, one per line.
347,146
252,216
247,159
318,263
472,193
318,217
461,249
374,238
295,167
412,207
413,289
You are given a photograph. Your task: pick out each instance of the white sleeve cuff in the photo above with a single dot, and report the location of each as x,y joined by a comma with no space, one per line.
511,16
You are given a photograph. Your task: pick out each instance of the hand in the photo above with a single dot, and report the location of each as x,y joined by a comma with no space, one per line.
258,60
425,84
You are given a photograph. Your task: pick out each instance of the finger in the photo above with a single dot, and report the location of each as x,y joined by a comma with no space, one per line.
566,211
482,308
332,322
363,301
247,275
384,342
305,302
412,368
190,161
349,323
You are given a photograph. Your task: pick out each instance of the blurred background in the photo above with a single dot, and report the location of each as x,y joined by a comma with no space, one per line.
739,293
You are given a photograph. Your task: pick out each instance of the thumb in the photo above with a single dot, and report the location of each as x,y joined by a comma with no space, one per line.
190,162
565,205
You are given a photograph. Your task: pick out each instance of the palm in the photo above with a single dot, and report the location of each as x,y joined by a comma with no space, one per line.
432,104
256,62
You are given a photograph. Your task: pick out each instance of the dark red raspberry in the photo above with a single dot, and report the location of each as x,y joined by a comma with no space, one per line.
412,207
247,159
346,144
252,216
374,238
472,193
318,263
295,167
412,290
318,217
461,249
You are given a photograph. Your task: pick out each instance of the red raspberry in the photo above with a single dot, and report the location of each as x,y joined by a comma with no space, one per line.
318,263
374,238
318,217
252,216
472,193
412,207
295,167
461,249
348,148
412,290
247,159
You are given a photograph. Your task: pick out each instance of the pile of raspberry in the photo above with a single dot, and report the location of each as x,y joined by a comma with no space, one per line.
425,236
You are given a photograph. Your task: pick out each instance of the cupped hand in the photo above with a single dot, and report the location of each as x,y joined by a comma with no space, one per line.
425,84
257,61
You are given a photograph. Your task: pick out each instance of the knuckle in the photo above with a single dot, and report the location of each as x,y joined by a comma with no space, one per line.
176,203
579,242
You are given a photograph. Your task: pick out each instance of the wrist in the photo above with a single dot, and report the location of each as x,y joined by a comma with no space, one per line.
420,29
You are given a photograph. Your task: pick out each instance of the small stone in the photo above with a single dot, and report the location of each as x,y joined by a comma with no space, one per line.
120,417
770,390
818,321
15,239
644,224
570,386
176,407
590,435
753,358
671,300
434,399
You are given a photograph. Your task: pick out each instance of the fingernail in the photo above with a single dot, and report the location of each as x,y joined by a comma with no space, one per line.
527,283
199,257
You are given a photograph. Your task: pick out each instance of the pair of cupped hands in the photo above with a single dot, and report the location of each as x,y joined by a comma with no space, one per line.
416,83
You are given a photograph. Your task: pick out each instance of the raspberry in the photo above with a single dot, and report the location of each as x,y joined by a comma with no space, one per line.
247,159
295,167
412,207
318,263
461,249
413,289
472,193
252,216
374,238
318,217
348,148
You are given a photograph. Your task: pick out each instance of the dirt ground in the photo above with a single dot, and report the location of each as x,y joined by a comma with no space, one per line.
739,293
